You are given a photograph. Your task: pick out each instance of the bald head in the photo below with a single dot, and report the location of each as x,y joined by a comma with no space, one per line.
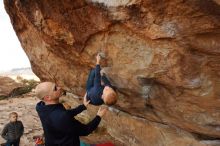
44,89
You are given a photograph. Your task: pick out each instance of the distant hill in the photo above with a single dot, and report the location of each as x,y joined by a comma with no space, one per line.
18,71
25,73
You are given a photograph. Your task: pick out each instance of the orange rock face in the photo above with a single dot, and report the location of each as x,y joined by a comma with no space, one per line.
163,57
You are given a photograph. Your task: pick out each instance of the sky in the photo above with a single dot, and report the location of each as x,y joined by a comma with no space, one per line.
11,53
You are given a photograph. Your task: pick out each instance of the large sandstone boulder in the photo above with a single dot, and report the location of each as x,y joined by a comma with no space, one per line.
7,86
163,57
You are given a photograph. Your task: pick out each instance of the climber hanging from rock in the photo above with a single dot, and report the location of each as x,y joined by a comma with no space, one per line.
98,87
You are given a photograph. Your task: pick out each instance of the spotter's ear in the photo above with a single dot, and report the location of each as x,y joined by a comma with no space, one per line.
46,98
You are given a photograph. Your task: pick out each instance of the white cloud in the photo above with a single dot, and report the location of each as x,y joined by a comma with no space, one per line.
11,52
